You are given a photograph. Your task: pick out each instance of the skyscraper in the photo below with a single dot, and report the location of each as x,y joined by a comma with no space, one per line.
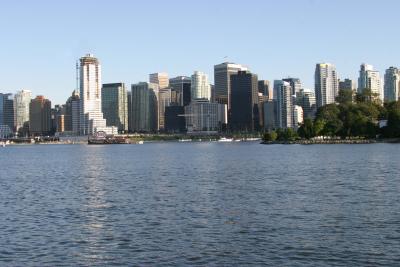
244,113
6,114
392,84
92,119
295,83
370,79
114,103
265,89
326,84
306,100
71,116
40,116
164,100
181,86
222,81
284,105
203,116
22,99
143,104
200,87
347,84
159,78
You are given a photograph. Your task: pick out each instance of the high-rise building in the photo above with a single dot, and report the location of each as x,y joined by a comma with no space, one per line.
222,81
392,84
159,78
143,105
181,86
22,99
306,100
6,115
174,119
244,113
265,89
40,116
347,84
92,119
326,84
164,100
203,116
298,116
114,103
284,104
295,83
370,79
71,115
200,87
269,117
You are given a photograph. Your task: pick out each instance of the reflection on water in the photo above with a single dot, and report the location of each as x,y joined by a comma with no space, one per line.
218,204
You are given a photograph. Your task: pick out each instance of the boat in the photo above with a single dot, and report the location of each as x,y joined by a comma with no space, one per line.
224,139
101,138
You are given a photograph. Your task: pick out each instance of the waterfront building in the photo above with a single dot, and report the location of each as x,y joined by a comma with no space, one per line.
392,85
347,84
40,116
164,100
159,78
143,104
180,87
114,103
6,115
244,113
92,119
200,87
175,119
72,114
201,115
284,104
295,83
307,101
22,99
222,81
370,79
265,89
298,116
326,84
269,117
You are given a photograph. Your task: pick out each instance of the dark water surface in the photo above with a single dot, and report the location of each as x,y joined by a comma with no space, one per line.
202,204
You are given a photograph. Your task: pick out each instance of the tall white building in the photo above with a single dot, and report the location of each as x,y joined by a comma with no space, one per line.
200,87
326,84
298,116
370,79
284,104
91,116
392,84
22,99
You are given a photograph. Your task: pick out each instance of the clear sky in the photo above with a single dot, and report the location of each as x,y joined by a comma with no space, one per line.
41,40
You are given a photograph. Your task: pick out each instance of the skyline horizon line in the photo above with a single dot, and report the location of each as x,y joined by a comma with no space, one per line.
211,77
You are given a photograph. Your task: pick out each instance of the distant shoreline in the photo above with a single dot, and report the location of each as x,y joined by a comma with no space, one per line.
333,142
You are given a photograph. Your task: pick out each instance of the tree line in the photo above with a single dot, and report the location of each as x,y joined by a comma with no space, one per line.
352,116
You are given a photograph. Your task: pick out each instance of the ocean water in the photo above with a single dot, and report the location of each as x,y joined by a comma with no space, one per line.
200,204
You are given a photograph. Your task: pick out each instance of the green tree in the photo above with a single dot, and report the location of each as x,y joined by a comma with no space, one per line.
306,130
270,136
345,96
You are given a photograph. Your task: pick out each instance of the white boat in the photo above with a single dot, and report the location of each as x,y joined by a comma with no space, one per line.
224,139
185,140
141,142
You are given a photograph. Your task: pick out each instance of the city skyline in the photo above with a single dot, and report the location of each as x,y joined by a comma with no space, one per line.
34,44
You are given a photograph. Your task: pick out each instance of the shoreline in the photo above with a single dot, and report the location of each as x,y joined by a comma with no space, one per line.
334,142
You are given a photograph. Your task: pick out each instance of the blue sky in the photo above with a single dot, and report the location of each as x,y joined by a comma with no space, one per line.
41,40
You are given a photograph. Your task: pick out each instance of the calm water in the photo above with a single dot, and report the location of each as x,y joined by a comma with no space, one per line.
203,204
